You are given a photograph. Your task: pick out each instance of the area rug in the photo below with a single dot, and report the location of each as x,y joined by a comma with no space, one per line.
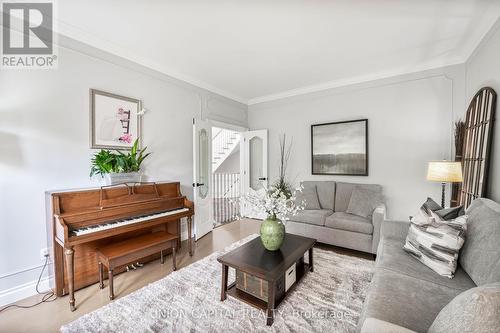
188,300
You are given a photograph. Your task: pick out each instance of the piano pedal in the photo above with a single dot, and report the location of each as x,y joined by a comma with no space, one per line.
134,266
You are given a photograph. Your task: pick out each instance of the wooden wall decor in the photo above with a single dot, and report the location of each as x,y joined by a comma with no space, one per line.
477,145
459,145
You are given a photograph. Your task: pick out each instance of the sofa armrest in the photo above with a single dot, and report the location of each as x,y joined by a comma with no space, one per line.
373,325
378,217
395,229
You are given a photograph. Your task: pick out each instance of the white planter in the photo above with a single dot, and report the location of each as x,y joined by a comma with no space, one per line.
120,178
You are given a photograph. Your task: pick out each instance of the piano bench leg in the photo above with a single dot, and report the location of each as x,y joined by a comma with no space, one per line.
110,277
174,263
162,258
72,306
101,276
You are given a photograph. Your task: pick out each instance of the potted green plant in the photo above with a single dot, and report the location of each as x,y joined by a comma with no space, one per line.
118,167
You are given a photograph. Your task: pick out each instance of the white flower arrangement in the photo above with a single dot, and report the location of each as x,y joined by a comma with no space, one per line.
274,203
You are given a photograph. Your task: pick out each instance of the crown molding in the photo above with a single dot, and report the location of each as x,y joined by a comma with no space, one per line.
483,40
97,42
67,30
351,81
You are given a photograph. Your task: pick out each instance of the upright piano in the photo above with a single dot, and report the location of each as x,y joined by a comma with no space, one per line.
80,221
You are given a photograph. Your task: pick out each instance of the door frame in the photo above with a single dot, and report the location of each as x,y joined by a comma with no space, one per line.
207,124
245,166
229,126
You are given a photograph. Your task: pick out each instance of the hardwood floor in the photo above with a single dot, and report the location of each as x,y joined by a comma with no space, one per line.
48,317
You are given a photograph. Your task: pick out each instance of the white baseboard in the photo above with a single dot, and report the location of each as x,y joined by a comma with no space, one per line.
23,291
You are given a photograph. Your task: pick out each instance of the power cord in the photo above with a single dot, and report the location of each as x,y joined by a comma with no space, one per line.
47,297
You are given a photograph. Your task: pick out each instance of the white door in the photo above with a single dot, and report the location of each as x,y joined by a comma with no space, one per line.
202,170
253,167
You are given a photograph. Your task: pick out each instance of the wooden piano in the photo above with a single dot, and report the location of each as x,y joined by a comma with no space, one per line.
80,221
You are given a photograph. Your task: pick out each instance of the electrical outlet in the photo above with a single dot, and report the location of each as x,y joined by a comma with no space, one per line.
44,253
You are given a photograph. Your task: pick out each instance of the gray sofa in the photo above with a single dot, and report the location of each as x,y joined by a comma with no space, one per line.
332,225
406,296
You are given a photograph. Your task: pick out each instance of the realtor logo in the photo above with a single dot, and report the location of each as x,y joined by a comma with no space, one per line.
28,35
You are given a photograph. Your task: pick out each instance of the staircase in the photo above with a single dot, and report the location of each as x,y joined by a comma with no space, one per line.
224,142
226,179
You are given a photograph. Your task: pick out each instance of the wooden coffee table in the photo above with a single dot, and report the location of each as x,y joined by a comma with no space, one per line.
267,267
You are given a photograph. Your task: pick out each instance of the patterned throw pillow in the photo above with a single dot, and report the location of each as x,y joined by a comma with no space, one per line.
435,241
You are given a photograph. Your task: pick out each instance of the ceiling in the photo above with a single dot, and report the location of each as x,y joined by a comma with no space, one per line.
259,50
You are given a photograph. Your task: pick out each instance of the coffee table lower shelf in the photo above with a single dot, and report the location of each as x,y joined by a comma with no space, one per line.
257,302
273,267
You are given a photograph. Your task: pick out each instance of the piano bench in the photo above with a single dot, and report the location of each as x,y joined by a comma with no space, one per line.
132,250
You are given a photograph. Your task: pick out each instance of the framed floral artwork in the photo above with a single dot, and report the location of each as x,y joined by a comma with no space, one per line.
115,121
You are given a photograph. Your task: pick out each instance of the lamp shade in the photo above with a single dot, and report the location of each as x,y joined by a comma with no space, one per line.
445,172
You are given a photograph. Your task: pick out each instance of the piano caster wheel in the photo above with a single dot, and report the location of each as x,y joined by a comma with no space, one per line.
72,307
111,298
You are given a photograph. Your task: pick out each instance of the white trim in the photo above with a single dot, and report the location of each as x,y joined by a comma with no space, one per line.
225,125
23,291
484,40
348,82
95,42
29,268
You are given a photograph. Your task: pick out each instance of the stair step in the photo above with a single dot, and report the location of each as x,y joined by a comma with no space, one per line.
216,158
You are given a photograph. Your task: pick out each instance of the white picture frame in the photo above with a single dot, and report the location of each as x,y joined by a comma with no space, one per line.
115,122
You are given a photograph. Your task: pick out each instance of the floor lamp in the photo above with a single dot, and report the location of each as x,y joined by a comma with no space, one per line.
444,172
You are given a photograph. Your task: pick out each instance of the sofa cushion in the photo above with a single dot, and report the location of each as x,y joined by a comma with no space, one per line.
308,195
326,193
392,257
316,217
343,192
364,201
474,310
480,255
404,300
349,222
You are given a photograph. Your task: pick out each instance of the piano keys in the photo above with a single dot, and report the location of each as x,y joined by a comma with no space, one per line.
80,221
125,221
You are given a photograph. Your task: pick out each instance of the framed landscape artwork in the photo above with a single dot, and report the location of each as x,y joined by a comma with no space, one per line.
340,148
114,120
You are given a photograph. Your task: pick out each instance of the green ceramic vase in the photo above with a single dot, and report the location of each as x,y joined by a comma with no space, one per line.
272,234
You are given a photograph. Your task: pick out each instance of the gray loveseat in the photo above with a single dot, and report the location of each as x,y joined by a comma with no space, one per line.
407,296
330,224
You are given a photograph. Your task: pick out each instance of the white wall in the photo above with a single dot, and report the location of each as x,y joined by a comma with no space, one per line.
483,70
410,123
44,135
